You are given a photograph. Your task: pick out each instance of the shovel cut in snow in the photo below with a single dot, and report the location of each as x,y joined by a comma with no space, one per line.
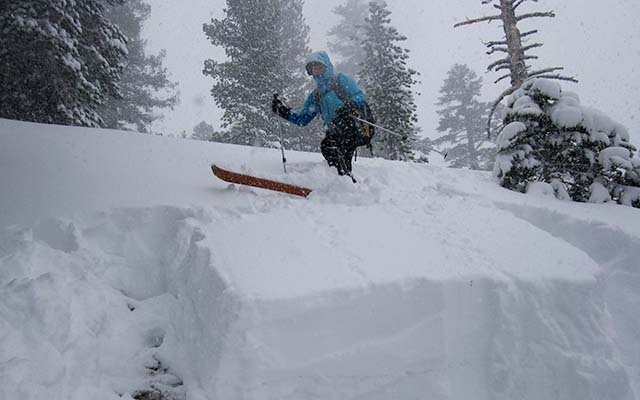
242,179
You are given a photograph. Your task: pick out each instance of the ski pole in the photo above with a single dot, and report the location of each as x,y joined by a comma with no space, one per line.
392,132
284,159
376,126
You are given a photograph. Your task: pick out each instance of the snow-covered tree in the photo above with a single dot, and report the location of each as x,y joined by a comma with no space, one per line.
347,36
59,60
266,46
462,118
552,142
514,47
144,85
203,131
388,82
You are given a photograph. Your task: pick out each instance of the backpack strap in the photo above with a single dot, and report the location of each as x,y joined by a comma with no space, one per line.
342,94
337,88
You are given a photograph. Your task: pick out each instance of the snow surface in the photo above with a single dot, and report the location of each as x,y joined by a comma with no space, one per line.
547,87
510,132
125,265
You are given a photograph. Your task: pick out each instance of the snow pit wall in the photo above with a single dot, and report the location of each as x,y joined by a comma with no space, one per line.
481,339
473,337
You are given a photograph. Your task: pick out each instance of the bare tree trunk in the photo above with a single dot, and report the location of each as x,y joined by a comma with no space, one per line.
515,60
514,43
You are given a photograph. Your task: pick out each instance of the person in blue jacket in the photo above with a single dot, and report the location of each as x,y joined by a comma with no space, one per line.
337,99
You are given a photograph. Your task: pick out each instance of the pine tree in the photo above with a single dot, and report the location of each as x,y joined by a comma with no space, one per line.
423,147
59,60
144,85
388,83
266,45
203,131
348,34
516,60
580,153
462,118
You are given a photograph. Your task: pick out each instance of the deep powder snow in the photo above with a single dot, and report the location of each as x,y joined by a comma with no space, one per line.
126,266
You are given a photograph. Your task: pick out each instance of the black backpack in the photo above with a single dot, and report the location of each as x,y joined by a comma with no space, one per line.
364,113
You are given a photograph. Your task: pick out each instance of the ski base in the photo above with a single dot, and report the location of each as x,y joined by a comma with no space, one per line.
248,180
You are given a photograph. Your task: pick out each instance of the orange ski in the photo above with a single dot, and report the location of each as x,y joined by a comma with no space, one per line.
234,177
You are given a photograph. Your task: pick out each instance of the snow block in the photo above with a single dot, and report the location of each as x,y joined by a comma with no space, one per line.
469,335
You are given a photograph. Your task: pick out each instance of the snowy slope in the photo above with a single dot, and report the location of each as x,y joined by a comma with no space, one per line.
125,266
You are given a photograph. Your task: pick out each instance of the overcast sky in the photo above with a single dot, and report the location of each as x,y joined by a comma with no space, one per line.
598,42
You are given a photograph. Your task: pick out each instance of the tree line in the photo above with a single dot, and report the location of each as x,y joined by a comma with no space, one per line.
86,64
82,63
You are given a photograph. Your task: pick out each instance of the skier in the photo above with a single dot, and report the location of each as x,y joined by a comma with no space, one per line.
337,98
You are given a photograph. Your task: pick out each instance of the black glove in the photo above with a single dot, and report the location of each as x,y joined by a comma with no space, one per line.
279,108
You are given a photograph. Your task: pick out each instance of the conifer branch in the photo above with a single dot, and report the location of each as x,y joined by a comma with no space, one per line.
502,78
518,4
531,46
525,34
549,14
545,71
557,77
495,105
497,48
504,61
498,43
474,21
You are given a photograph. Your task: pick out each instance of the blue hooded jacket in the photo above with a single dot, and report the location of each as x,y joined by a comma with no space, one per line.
329,100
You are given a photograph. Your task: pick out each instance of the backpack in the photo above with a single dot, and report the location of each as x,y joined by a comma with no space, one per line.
364,112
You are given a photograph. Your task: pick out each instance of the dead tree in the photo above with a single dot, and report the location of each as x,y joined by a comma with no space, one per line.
516,53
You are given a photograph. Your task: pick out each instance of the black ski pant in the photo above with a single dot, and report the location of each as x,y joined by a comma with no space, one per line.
340,143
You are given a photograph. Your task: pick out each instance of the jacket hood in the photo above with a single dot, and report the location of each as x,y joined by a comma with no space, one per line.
323,58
